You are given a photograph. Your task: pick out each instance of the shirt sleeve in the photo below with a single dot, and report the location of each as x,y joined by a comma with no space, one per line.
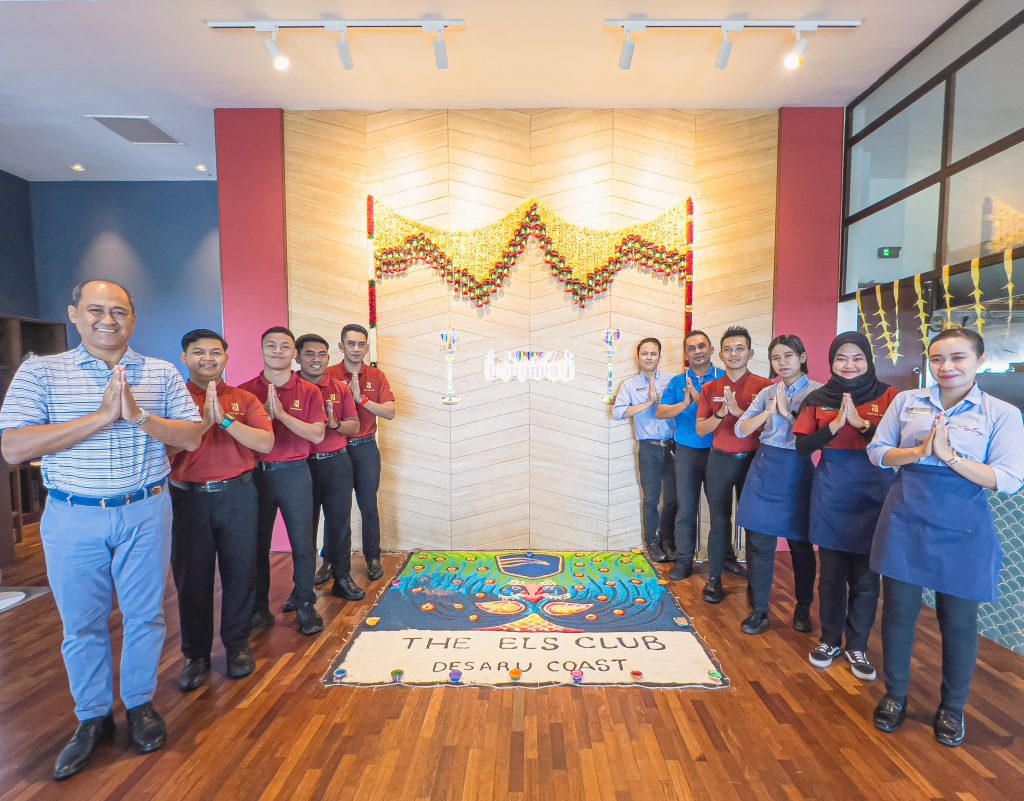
756,407
887,434
348,403
671,394
704,408
178,401
621,402
1006,448
25,403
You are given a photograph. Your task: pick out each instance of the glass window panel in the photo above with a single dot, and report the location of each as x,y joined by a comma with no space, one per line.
988,104
986,207
904,150
910,225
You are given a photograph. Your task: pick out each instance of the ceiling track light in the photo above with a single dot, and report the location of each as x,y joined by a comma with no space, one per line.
342,27
728,26
281,61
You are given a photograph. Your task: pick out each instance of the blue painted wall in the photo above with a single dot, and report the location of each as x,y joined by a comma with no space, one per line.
158,238
17,264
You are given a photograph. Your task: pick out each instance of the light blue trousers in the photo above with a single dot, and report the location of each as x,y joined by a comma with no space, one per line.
91,553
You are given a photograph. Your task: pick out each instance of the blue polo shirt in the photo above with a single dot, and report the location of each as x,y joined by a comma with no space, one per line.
686,421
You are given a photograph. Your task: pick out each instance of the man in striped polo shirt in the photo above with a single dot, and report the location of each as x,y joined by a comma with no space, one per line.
100,416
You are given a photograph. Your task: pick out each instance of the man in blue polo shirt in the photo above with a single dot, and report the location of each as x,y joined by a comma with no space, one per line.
679,403
637,399
100,416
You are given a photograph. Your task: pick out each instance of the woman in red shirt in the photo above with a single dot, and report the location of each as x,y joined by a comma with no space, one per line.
846,498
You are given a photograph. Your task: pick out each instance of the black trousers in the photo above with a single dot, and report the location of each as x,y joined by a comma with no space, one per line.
366,481
958,623
726,473
290,490
332,492
210,530
848,598
761,566
657,484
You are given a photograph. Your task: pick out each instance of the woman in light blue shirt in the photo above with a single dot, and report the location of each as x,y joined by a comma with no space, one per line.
776,495
950,441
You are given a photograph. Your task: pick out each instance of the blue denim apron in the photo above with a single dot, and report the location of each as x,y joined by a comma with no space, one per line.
846,498
776,496
936,530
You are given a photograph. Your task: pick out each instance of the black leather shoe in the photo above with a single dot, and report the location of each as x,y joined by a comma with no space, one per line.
655,553
75,755
261,619
194,674
323,574
289,606
736,569
755,622
241,663
949,727
681,571
345,587
802,618
309,619
670,551
373,569
714,593
147,728
889,714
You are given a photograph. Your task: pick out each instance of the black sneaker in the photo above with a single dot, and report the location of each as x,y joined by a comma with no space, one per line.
261,619
670,550
681,571
309,619
802,618
654,552
755,622
824,655
860,666
736,569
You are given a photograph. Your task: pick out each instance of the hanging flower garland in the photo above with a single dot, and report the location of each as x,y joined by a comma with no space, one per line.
1008,269
371,292
476,263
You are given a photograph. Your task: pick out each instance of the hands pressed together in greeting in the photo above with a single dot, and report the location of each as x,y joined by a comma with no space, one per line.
847,414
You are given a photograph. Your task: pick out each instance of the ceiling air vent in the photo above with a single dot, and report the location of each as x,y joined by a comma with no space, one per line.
137,130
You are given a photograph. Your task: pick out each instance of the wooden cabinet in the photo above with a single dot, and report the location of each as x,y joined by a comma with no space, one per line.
21,487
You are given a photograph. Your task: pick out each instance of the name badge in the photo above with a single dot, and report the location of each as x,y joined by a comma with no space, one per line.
718,399
919,410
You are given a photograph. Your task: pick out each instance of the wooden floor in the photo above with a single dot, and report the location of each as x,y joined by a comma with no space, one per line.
783,731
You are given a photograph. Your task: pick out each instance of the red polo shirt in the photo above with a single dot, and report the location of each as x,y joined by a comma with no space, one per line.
373,385
300,399
745,389
333,391
220,456
847,438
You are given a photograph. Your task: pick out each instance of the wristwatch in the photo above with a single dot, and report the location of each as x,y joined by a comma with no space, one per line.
141,421
226,423
864,428
721,416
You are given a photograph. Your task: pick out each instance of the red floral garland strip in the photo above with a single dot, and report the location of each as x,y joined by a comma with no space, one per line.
688,302
633,250
371,290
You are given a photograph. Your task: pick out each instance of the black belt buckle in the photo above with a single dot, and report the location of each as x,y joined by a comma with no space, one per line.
360,440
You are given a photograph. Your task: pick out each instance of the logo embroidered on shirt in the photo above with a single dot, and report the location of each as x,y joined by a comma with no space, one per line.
296,404
333,398
874,408
234,407
368,385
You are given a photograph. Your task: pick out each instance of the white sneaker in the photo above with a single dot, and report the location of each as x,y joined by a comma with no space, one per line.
823,655
860,666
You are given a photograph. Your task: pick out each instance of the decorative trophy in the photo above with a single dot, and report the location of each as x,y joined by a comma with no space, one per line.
448,342
611,336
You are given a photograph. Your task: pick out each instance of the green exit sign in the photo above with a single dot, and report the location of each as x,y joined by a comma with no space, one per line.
891,252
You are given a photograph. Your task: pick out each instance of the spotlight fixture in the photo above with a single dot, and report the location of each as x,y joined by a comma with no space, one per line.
200,168
342,28
77,167
727,26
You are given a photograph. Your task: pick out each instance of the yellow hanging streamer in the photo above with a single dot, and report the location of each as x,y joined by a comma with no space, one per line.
863,317
883,323
1008,269
895,353
949,297
922,315
979,307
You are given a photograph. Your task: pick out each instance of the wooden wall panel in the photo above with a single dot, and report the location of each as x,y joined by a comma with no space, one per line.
524,465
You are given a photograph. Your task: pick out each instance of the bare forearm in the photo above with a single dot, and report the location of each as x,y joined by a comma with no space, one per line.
312,432
666,411
897,457
981,474
385,410
348,427
182,434
21,444
708,425
752,424
256,439
633,411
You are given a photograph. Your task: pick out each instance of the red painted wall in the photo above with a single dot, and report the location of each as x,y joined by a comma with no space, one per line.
809,220
250,182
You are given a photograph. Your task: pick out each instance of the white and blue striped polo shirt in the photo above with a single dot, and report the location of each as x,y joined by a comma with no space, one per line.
117,459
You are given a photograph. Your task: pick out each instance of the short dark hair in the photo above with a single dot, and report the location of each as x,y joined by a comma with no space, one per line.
645,340
736,331
696,333
976,339
354,327
305,339
277,329
76,291
201,333
790,341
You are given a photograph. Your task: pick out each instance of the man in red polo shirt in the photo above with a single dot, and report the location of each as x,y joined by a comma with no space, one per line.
214,502
720,405
283,480
374,398
331,466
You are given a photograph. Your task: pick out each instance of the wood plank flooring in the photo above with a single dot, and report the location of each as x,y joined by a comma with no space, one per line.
783,731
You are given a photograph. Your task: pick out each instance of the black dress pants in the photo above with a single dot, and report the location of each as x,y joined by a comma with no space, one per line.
332,492
848,598
290,490
210,530
657,484
726,473
761,566
365,457
958,623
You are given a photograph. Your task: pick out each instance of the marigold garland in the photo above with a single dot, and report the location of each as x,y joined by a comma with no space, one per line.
476,263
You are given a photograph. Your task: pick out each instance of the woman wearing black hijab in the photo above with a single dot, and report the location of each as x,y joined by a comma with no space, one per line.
846,498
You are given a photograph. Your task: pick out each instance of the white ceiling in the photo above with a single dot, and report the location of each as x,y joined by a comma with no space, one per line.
60,61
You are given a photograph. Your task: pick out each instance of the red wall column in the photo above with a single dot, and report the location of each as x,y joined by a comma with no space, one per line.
809,224
250,188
